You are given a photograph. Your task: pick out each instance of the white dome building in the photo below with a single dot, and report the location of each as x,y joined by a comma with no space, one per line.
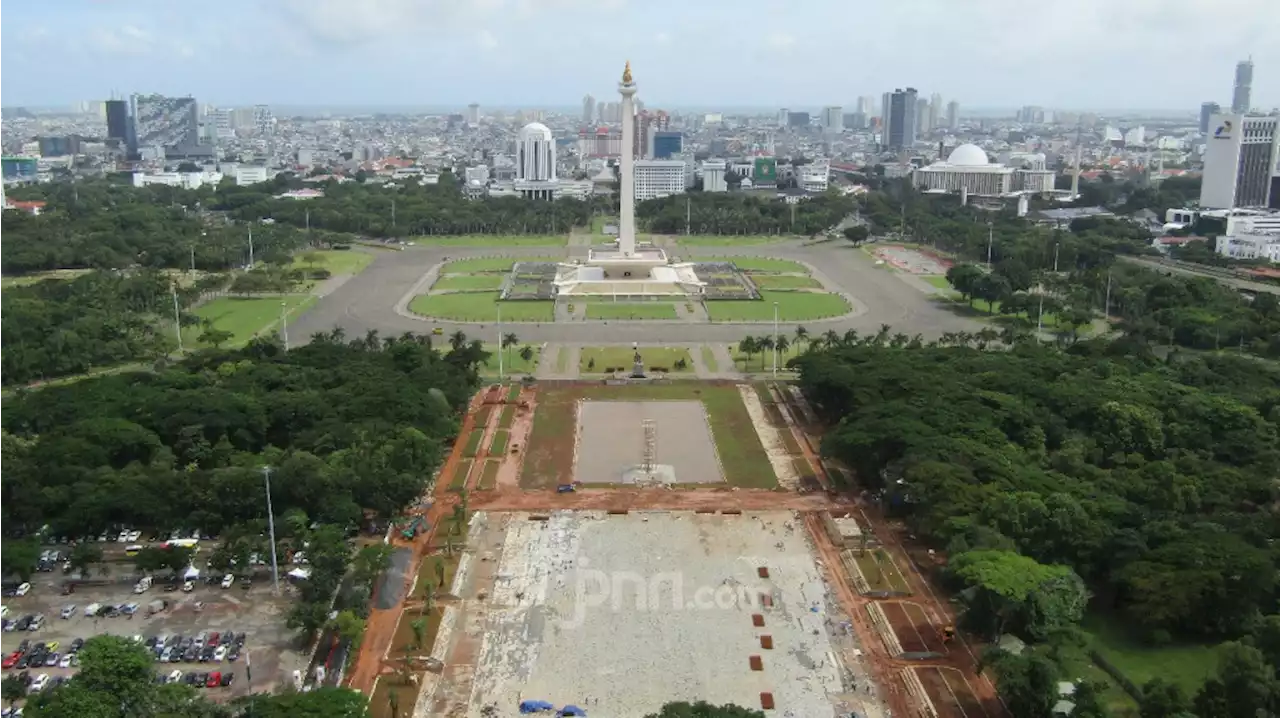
968,170
968,155
536,162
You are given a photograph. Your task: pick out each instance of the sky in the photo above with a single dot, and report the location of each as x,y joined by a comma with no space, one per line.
1078,54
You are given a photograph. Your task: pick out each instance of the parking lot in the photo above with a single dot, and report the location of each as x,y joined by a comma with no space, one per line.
256,612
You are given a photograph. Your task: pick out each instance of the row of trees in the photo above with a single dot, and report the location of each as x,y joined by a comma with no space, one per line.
744,214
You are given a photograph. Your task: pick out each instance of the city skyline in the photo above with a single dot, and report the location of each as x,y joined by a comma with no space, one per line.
345,54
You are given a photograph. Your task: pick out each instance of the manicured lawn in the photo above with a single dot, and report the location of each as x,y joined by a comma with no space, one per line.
550,448
473,443
459,481
709,358
508,413
624,358
634,310
758,264
511,361
463,282
489,478
881,572
489,264
792,307
37,277
784,281
337,261
492,240
715,240
498,446
937,280
740,359
1188,665
245,318
481,307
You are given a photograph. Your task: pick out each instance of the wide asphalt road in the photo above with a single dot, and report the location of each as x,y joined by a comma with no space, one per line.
370,300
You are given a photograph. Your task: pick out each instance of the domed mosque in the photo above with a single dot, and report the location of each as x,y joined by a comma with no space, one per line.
968,170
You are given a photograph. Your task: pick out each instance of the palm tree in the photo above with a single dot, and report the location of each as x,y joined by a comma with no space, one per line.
526,353
508,340
782,344
458,340
883,334
851,337
899,340
802,335
393,702
832,338
419,628
763,345
987,335
747,347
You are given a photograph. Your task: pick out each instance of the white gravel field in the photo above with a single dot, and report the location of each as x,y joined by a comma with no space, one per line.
621,614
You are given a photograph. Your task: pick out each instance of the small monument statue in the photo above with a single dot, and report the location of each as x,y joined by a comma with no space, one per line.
637,371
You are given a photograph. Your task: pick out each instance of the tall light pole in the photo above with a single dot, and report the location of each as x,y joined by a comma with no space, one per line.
177,318
271,529
284,325
250,247
775,339
1056,247
990,237
500,368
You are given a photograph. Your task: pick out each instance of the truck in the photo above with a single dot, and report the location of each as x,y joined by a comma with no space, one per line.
566,488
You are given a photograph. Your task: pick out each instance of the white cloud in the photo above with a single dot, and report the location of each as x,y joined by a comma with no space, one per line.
347,23
126,40
662,38
486,40
781,40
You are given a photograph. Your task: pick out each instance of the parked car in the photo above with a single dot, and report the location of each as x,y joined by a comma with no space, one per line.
76,645
68,610
233,653
175,676
23,588
220,654
52,660
212,640
228,580
188,586
227,678
66,661
214,680
92,610
11,660
39,683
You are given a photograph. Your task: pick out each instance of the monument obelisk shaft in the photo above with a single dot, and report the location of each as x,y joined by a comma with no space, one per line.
626,189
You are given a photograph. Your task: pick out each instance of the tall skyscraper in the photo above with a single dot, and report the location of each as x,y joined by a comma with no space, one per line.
263,120
535,162
922,116
118,122
588,109
473,114
953,115
1207,110
784,116
833,119
935,111
1242,94
1239,161
899,116
863,105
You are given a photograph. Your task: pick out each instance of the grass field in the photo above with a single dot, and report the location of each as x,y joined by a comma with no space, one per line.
508,414
459,481
550,450
481,307
492,240
489,264
715,240
246,317
624,358
498,446
337,261
634,310
784,281
881,572
489,477
511,361
937,280
709,358
792,307
468,282
759,264
1187,665
473,443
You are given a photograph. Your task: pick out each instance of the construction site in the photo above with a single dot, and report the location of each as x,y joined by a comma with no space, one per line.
608,549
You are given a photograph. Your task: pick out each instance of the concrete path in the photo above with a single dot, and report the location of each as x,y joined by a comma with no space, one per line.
559,354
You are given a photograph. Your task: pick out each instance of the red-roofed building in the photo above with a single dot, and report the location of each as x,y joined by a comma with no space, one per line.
31,207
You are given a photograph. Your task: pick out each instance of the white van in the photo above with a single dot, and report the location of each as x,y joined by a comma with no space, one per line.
143,585
92,610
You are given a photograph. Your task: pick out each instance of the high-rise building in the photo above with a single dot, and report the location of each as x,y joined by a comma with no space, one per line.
953,115
664,144
1241,96
798,120
264,122
784,116
922,116
833,119
1207,110
165,122
935,111
473,114
535,162
1239,161
658,178
863,105
118,124
899,118
588,109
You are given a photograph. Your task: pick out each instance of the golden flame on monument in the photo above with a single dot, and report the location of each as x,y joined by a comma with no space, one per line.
626,74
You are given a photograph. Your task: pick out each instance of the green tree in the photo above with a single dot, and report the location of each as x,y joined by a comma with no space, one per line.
857,235
84,555
323,702
21,558
348,625
526,353
965,278
13,688
215,337
1013,590
747,347
1162,699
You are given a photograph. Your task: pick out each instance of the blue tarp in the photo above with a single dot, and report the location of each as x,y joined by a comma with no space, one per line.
572,711
536,706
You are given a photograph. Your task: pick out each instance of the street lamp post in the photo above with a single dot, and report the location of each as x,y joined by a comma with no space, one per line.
501,376
775,340
271,530
177,318
284,325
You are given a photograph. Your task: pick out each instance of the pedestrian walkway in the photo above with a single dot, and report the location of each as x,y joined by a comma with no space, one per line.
559,361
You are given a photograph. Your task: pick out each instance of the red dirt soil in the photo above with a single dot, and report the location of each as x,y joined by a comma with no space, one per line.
916,633
950,693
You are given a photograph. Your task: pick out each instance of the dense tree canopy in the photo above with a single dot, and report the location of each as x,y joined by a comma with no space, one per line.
702,709
1154,483
347,426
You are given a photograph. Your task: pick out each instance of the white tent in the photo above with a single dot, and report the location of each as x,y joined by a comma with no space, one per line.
191,574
